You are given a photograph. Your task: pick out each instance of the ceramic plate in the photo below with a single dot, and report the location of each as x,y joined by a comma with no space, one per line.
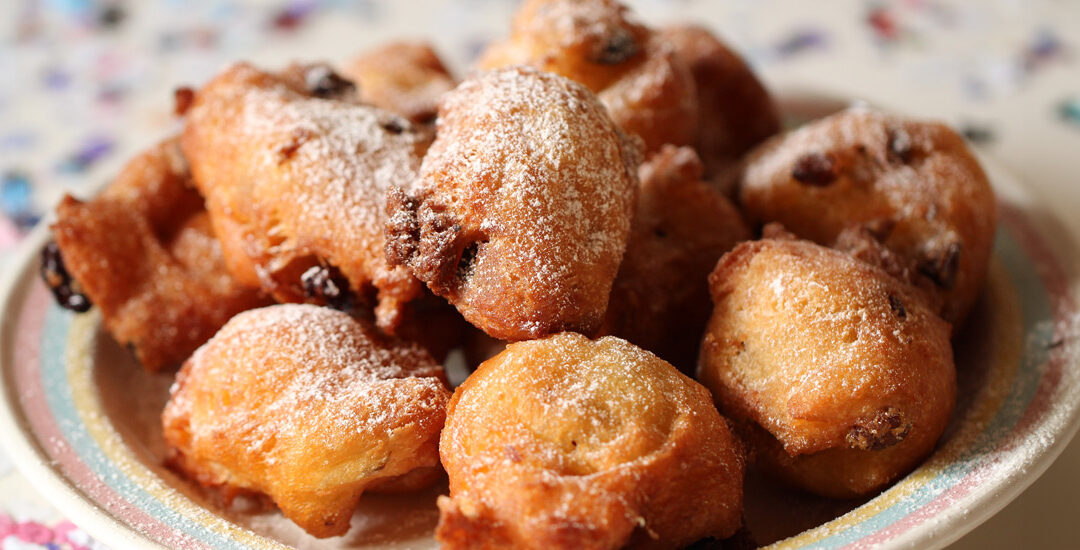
81,421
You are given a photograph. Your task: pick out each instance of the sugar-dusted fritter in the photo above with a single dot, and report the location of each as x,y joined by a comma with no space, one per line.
736,111
646,87
143,252
567,442
404,77
308,406
660,299
914,186
524,205
844,366
295,174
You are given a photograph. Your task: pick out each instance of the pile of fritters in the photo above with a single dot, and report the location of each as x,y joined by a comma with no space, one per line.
599,214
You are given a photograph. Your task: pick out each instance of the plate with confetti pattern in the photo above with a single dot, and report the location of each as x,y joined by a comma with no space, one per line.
81,419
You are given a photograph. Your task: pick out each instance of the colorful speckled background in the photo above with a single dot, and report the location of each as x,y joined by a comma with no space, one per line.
88,83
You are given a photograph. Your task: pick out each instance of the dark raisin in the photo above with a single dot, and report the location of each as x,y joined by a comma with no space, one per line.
885,429
395,126
897,306
977,134
297,138
817,169
468,257
942,268
111,16
660,233
617,48
437,258
64,288
900,145
327,284
325,83
183,97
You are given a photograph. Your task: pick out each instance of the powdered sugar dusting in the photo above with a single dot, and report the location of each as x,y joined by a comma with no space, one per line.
312,362
534,168
309,175
574,23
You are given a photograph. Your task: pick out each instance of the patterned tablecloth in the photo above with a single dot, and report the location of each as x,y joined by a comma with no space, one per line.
88,83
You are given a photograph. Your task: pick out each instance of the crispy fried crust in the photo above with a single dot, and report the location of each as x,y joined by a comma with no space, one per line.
404,77
660,299
843,365
646,87
567,442
308,406
524,205
912,185
144,253
736,111
295,175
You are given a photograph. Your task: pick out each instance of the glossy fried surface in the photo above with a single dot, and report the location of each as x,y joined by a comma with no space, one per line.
736,111
523,207
660,299
913,186
404,77
307,406
295,175
646,87
566,442
144,253
845,366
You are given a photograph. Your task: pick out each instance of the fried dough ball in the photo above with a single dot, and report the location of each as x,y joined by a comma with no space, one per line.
308,406
567,442
646,87
144,253
660,299
404,77
736,110
846,370
912,185
295,175
524,205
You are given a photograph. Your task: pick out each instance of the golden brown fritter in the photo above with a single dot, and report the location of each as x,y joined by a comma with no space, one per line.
845,366
567,442
736,111
404,77
912,185
660,299
143,252
295,175
524,205
646,87
308,406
